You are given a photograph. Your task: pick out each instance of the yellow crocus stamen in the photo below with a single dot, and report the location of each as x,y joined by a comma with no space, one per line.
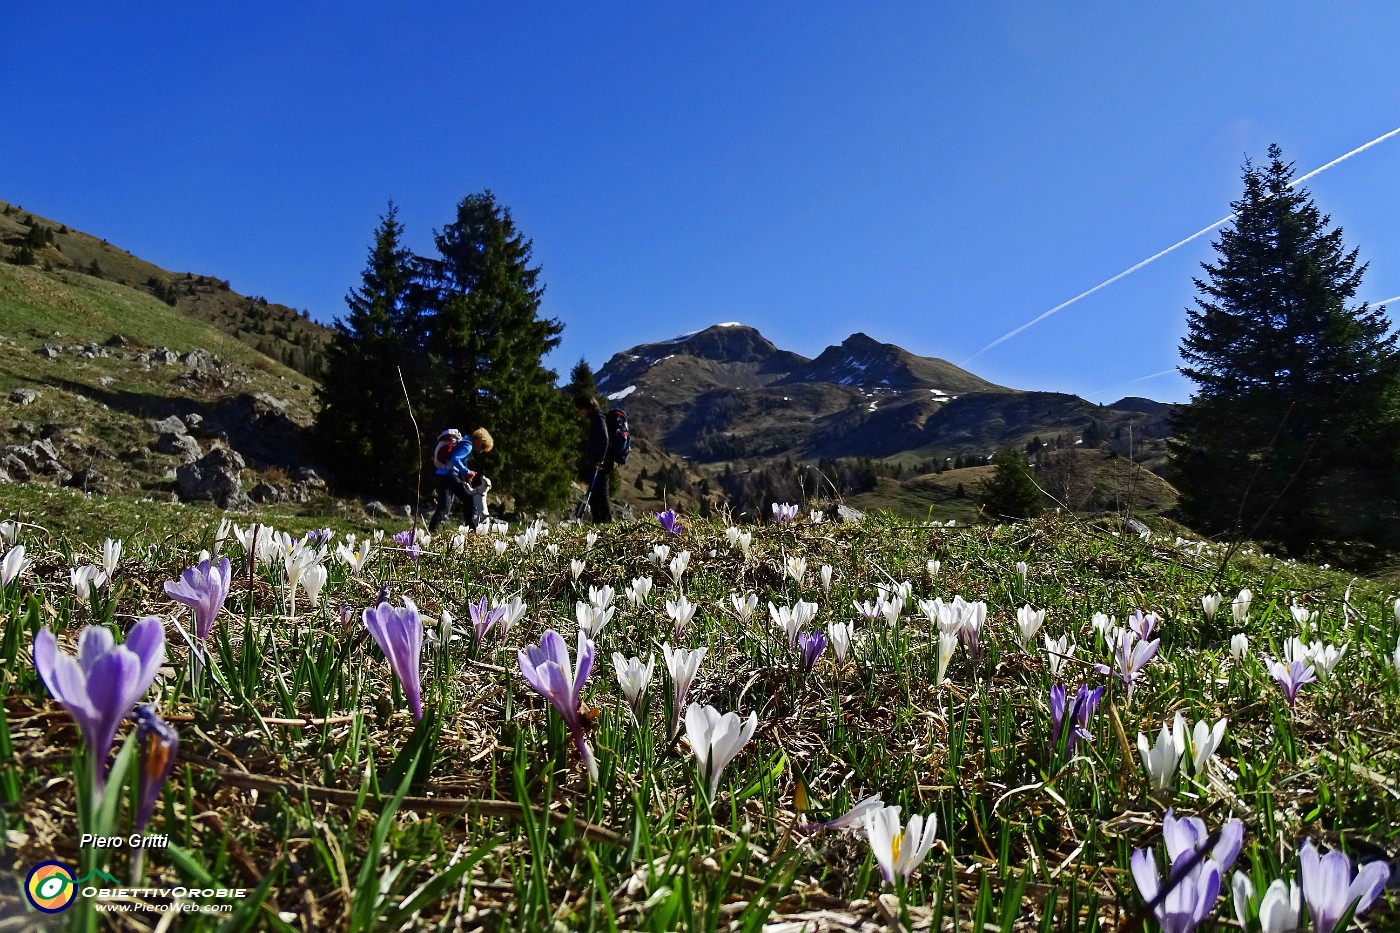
895,845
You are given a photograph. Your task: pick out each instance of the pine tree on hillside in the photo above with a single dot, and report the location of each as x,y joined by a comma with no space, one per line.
487,342
1010,492
1293,434
364,432
582,382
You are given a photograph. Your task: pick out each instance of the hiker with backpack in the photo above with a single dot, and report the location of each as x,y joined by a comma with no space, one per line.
454,478
608,445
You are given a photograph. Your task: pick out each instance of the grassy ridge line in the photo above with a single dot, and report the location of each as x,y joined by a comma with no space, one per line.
276,330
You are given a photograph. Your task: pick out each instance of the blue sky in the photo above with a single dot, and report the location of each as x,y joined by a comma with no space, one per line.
935,175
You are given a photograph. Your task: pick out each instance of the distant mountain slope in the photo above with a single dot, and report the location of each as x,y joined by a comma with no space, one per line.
273,329
728,393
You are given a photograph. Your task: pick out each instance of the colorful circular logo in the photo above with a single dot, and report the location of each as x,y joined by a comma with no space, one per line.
50,887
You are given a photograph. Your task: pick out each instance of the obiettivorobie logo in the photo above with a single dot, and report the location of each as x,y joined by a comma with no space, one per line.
51,886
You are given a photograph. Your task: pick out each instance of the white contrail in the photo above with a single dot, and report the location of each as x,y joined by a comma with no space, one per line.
1387,301
1175,246
1124,385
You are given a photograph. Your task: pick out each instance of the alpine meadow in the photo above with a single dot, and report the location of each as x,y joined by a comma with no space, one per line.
625,550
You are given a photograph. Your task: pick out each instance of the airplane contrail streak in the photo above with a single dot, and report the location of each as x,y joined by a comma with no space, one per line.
1123,385
1387,301
1175,246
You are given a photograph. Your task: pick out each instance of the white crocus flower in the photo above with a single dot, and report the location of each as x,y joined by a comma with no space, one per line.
731,534
1058,651
86,580
1239,646
682,664
815,516
1209,604
681,611
1161,759
514,612
1021,570
589,540
826,579
660,553
745,541
892,609
678,565
1104,625
744,605
1240,607
500,547
1280,910
576,569
552,550
1397,610
947,644
934,566
841,633
787,620
601,596
898,848
1198,744
1295,649
639,590
312,580
591,619
797,568
9,532
1325,658
111,555
633,677
716,739
1395,658
13,564
1029,621
1301,615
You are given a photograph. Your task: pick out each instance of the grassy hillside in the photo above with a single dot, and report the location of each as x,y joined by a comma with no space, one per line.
91,351
278,331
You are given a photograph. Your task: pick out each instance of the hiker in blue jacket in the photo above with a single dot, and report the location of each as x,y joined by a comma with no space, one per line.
454,477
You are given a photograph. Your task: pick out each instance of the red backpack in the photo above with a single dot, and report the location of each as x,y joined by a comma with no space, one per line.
446,446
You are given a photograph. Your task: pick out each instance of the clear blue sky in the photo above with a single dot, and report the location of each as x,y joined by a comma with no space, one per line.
932,174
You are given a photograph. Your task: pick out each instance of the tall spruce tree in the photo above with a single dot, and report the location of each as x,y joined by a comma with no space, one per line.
1293,433
487,342
582,382
363,431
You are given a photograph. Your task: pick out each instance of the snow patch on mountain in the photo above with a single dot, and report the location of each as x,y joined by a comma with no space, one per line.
621,393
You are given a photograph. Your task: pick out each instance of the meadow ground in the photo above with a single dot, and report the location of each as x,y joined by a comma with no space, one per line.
304,777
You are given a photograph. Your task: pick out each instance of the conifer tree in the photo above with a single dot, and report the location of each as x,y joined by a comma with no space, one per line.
1293,433
487,342
1010,492
364,432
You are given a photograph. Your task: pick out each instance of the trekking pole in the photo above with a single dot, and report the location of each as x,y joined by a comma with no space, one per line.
587,501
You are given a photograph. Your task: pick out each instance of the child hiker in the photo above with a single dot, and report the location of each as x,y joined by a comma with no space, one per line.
454,478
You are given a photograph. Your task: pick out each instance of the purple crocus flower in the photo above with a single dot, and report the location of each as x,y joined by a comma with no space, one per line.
1143,625
1291,678
484,619
1130,656
1086,703
399,634
157,744
101,685
318,536
785,513
811,645
669,521
1189,834
546,667
1193,889
1329,889
408,540
1191,897
203,588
